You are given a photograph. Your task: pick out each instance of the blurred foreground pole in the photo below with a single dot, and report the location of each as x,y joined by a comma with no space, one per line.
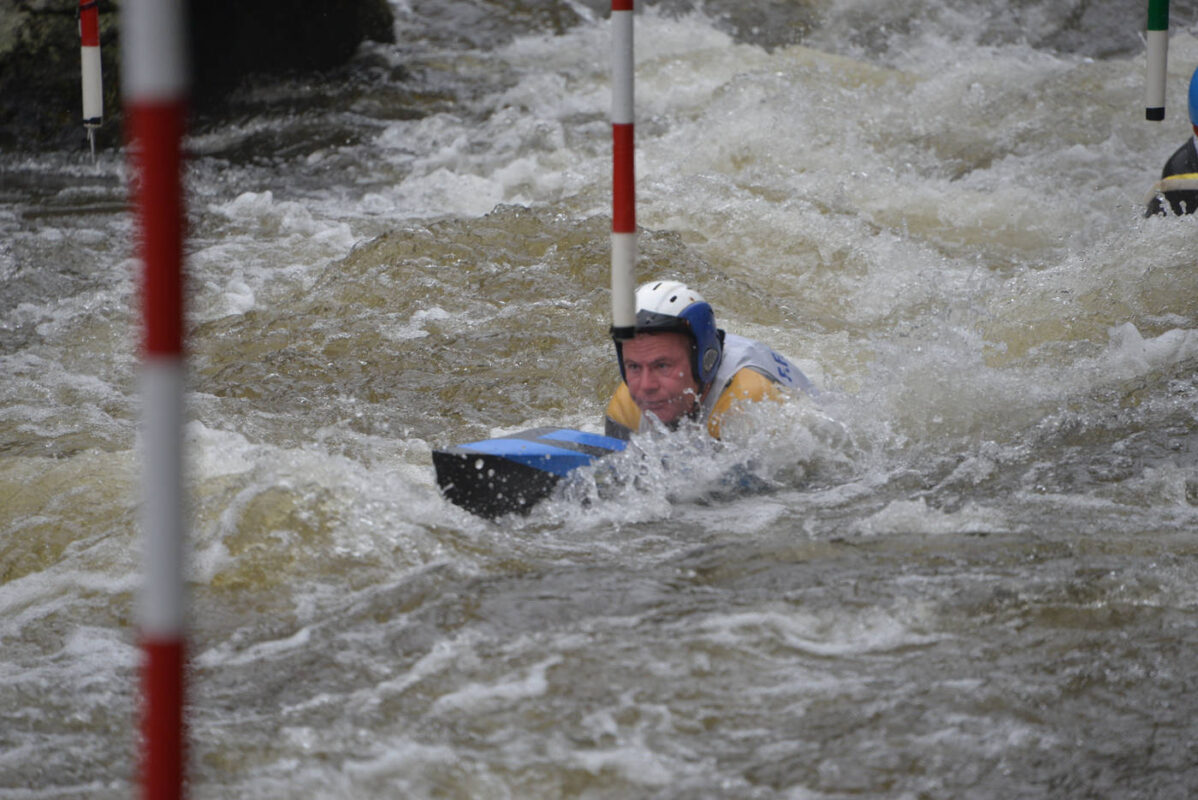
154,89
1158,59
623,218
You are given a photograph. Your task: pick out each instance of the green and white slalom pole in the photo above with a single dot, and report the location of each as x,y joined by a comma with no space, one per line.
1158,59
623,227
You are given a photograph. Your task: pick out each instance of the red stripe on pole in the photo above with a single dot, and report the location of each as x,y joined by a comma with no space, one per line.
623,180
156,130
621,5
163,744
89,23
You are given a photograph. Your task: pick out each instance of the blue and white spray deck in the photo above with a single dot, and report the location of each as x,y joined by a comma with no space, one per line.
513,473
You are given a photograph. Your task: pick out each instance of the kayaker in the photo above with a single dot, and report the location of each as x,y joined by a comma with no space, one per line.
679,366
1178,185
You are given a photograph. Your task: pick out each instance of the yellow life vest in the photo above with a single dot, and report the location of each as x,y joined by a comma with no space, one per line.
747,386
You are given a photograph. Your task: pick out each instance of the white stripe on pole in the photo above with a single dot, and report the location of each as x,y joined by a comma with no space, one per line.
623,282
154,53
622,68
1158,59
162,613
93,91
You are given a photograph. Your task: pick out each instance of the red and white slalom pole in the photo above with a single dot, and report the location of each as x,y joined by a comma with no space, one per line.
154,88
623,228
93,81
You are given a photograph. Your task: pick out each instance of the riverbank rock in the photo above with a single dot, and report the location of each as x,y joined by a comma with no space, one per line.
231,40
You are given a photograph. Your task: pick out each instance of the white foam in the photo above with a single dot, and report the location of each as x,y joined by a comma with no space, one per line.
831,634
215,453
223,655
443,191
458,652
34,597
1130,355
90,653
400,756
264,243
915,516
509,689
414,327
634,762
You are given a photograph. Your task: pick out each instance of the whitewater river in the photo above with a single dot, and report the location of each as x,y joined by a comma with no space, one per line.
970,570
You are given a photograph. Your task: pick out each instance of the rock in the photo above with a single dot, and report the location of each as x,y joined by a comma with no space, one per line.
233,39
40,94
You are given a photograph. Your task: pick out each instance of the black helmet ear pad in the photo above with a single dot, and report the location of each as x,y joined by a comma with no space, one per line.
710,360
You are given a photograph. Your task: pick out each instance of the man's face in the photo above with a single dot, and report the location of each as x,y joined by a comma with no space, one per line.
657,368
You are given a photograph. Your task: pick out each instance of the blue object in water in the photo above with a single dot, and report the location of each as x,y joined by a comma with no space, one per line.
513,473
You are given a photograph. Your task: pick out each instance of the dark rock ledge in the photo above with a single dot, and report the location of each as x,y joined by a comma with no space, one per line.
230,40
